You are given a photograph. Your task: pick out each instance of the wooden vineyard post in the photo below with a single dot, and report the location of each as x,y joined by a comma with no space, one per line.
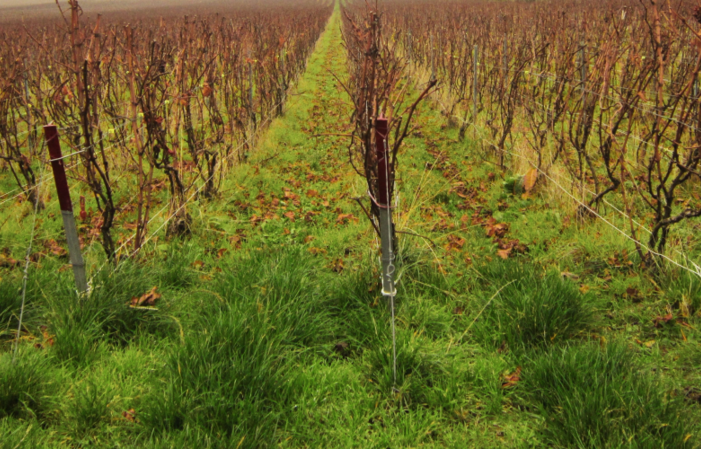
583,71
695,96
475,63
30,127
383,203
410,49
252,140
64,199
384,182
433,60
505,64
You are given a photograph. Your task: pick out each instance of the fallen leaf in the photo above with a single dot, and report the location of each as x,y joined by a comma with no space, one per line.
221,252
8,262
290,215
633,294
345,218
512,379
309,216
291,196
683,323
530,179
504,253
308,238
130,415
454,242
337,265
235,241
497,230
662,319
83,213
55,249
147,299
198,264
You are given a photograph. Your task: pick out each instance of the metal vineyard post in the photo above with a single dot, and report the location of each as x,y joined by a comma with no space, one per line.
64,199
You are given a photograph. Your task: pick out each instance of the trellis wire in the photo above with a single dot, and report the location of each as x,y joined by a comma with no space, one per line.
27,260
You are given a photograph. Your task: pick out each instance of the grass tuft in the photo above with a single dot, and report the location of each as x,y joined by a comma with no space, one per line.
24,384
232,375
528,308
598,398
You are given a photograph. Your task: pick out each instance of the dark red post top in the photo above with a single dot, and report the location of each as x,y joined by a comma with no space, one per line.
64,197
382,171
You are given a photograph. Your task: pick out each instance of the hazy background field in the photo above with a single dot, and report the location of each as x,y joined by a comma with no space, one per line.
33,9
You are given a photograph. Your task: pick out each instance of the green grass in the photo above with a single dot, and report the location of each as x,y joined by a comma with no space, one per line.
592,397
272,332
530,308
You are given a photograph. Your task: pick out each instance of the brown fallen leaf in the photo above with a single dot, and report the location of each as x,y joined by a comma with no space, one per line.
130,415
309,216
497,230
633,294
146,300
308,238
290,215
83,213
337,265
511,380
48,338
454,242
291,196
664,319
236,241
345,218
683,323
8,262
221,252
54,248
504,253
